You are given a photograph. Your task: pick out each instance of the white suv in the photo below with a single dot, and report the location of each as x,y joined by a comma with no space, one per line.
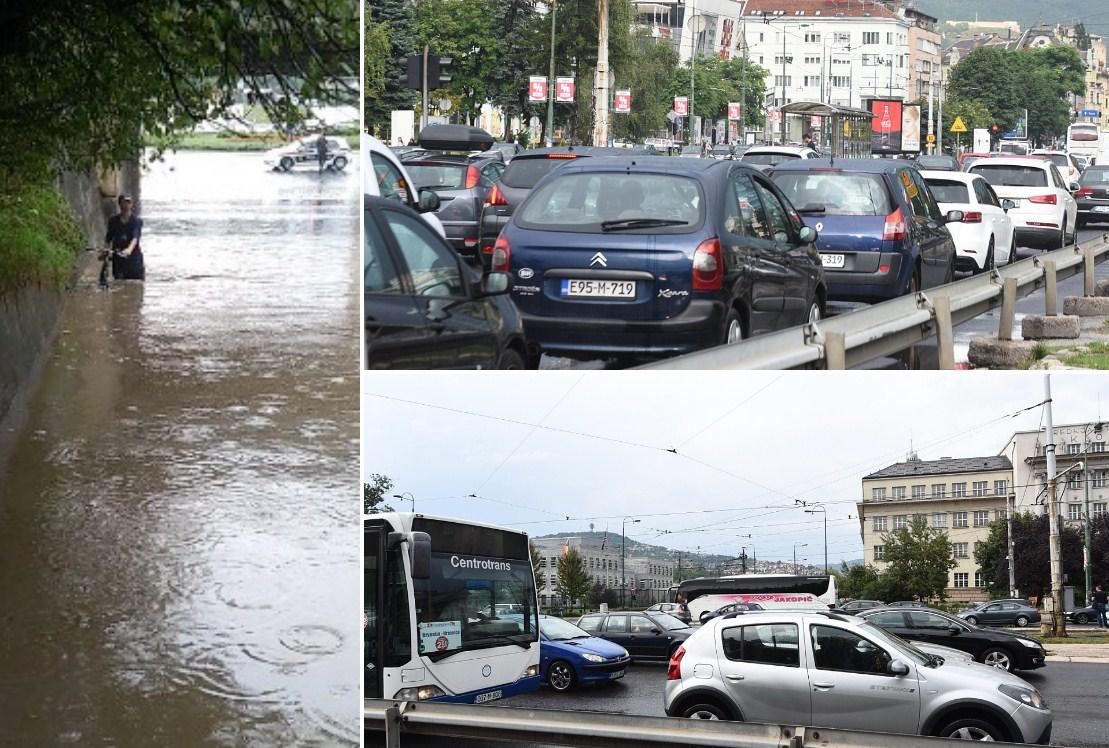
1045,212
827,669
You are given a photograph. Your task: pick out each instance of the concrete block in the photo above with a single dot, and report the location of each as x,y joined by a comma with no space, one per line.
1039,326
991,353
1086,306
1101,287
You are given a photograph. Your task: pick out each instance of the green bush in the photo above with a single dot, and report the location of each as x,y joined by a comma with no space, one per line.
39,235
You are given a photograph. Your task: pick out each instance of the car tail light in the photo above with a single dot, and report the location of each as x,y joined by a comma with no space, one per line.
674,671
495,197
1042,199
708,266
1084,192
972,216
473,176
502,255
894,230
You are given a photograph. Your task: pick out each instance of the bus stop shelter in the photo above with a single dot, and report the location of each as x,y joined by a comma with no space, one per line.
845,130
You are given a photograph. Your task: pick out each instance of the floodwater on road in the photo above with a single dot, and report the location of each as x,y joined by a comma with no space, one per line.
179,515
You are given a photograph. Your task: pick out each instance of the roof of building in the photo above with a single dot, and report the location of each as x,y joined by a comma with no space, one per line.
819,9
942,467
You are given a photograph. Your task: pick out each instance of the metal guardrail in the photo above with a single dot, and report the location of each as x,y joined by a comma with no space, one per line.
883,329
603,730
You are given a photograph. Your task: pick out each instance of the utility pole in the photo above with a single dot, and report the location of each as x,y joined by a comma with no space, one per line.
1086,501
784,102
623,540
423,91
931,122
939,116
696,33
551,79
1009,523
600,84
742,131
1057,626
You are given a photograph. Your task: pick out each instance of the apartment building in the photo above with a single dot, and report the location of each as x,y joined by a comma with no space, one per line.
647,579
960,496
716,33
925,53
1073,443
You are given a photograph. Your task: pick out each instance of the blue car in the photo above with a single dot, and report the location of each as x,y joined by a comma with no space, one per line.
881,231
569,656
632,257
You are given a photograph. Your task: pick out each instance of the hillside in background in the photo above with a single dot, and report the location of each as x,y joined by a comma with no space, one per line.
1026,12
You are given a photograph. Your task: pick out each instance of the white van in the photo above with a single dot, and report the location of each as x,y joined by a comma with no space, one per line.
1102,155
384,176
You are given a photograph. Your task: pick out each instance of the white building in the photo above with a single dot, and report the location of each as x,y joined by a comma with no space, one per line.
646,579
719,30
834,51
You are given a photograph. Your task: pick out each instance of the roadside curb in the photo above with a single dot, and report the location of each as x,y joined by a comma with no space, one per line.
1068,658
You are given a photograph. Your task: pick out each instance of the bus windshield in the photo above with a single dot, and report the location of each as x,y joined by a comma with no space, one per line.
474,602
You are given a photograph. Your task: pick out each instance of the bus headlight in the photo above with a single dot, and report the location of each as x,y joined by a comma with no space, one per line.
419,693
592,657
531,672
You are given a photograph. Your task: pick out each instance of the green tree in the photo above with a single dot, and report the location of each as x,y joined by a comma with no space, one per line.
1081,37
648,79
398,17
989,76
373,494
990,555
603,594
854,581
86,83
574,582
536,558
378,49
918,559
1030,555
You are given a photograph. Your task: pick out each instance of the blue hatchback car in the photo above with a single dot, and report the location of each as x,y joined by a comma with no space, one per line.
881,231
569,656
647,256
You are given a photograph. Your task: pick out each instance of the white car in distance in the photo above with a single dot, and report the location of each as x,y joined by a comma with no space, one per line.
985,238
1045,213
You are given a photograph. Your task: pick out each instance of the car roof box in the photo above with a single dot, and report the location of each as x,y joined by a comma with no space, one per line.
455,138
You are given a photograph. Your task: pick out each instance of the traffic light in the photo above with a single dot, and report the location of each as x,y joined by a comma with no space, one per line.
995,128
415,72
437,73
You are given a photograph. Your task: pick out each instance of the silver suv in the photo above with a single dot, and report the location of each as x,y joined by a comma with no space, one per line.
824,669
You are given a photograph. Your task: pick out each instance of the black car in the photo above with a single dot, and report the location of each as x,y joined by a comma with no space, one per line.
521,175
856,606
989,646
1082,616
724,610
1093,195
646,636
424,307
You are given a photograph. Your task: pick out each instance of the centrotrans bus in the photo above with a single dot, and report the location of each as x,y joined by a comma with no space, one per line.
771,591
1082,139
450,610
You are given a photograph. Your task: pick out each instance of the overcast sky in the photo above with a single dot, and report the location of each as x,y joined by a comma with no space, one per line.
748,445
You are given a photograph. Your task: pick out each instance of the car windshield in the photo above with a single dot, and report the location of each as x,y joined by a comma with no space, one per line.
895,642
1011,175
525,173
835,194
768,159
437,176
937,162
594,202
1095,175
668,621
559,630
947,191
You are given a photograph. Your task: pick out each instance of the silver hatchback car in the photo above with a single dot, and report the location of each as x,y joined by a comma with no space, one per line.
825,669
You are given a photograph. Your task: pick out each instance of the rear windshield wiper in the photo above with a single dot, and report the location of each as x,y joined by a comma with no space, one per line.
639,223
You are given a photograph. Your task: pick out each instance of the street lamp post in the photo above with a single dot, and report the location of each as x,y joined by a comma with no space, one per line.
820,508
551,80
795,547
1097,427
623,540
407,495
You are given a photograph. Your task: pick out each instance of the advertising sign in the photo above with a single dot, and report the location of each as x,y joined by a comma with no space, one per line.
981,140
1020,130
622,102
681,106
440,636
537,88
733,110
564,90
885,126
910,129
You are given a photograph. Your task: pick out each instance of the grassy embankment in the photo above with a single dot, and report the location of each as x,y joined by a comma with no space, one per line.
39,235
227,141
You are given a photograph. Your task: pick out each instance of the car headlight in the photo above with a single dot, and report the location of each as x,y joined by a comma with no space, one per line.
1029,643
1027,696
419,693
593,657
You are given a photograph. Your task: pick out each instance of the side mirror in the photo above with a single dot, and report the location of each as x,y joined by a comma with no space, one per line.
1075,187
953,216
1007,205
494,284
807,234
419,551
429,201
897,667
954,630
655,631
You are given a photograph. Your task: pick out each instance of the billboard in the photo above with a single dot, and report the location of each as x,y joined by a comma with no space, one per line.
885,126
1020,130
622,102
733,110
681,106
537,88
564,90
910,129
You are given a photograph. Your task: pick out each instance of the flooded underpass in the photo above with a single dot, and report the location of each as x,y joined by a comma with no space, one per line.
178,517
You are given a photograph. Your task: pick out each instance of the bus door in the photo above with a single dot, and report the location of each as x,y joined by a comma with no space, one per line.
373,632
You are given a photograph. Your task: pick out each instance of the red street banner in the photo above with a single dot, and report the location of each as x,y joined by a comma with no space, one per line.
733,110
537,88
564,90
681,106
622,102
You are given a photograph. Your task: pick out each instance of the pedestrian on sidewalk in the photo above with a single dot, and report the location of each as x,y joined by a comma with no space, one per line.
1100,600
124,231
